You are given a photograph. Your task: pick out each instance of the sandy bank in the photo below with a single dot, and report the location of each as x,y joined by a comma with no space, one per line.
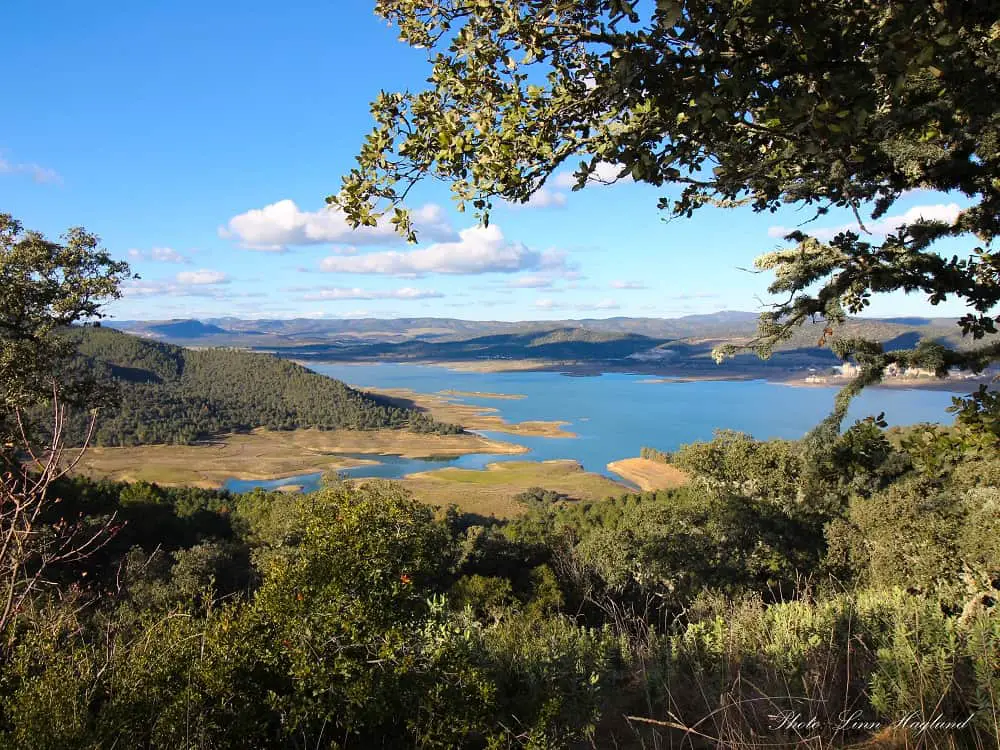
648,474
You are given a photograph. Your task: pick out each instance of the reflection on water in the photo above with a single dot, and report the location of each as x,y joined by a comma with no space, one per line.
308,482
613,415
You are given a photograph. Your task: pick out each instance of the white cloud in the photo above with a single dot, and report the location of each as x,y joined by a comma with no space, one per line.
159,254
141,288
202,277
167,255
168,288
38,173
280,224
558,261
628,285
604,304
946,212
534,281
701,295
550,304
542,198
605,173
478,250
342,293
360,313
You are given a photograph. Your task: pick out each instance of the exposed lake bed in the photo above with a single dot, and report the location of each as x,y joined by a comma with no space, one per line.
578,433
605,420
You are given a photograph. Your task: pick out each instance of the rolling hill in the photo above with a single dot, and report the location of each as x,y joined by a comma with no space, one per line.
167,394
676,346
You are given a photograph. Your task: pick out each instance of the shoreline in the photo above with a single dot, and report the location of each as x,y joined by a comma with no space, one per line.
575,368
267,456
895,384
470,416
450,393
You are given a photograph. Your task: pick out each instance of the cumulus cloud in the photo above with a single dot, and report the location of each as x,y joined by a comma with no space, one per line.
343,293
557,261
946,212
38,173
278,225
167,255
545,304
478,250
202,277
606,173
142,288
542,198
627,285
159,254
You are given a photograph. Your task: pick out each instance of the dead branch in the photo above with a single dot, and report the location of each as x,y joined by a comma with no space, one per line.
29,547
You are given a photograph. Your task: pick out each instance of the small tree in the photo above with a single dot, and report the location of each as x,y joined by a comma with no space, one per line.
46,286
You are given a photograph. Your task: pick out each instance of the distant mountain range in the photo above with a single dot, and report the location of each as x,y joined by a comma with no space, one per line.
729,325
678,347
311,330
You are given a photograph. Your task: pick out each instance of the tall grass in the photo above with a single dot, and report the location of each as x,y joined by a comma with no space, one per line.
864,669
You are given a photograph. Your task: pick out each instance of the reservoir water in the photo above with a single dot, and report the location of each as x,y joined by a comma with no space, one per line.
615,414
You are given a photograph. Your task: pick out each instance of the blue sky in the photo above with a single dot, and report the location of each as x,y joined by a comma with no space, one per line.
199,140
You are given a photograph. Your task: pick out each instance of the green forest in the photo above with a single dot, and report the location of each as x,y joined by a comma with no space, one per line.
166,394
358,617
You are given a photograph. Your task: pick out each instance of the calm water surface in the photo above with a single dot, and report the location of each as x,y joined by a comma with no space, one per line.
615,414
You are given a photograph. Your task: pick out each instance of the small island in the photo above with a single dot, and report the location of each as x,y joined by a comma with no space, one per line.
483,394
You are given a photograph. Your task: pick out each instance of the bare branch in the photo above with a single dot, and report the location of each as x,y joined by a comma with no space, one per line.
30,550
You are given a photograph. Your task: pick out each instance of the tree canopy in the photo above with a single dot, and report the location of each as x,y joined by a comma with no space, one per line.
44,287
846,104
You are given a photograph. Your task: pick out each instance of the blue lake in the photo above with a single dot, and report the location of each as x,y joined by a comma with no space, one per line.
615,414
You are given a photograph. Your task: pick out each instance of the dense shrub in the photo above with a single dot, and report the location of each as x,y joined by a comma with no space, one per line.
783,580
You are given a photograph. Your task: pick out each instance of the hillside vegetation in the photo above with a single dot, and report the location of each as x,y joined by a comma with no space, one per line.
166,394
860,578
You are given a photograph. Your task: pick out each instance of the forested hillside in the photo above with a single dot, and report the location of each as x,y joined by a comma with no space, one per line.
166,394
858,580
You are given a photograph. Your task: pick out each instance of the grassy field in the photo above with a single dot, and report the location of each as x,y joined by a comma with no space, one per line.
492,492
470,416
264,454
647,474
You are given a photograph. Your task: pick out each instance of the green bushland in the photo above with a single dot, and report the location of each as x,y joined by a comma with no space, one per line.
653,454
862,577
167,394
